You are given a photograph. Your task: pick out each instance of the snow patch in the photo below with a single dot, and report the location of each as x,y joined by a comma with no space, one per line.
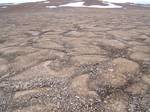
81,4
4,7
46,2
51,7
76,4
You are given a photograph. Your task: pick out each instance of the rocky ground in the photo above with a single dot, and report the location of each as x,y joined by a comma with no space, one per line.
74,59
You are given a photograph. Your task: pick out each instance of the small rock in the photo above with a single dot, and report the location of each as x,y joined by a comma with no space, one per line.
73,33
33,33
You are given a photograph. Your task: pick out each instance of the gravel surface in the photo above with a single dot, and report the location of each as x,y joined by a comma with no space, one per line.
74,59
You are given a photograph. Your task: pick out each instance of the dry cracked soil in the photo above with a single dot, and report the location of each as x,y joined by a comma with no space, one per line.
74,59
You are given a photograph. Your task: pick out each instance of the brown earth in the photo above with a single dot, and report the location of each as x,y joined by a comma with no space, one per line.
74,59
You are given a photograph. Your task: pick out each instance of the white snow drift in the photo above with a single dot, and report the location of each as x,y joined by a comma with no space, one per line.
81,4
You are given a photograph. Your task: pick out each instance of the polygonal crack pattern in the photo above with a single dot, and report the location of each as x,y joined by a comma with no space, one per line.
73,60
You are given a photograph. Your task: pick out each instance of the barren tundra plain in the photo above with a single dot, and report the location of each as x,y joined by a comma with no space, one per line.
74,59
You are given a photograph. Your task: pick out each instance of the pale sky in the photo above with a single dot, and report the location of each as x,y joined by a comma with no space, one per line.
131,1
19,1
115,1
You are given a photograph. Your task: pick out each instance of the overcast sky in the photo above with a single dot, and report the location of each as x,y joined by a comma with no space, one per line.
131,1
19,1
116,1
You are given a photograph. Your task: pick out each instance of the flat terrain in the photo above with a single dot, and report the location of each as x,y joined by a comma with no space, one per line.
74,59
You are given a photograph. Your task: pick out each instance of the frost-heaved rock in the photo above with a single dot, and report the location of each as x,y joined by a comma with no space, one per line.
122,70
79,84
146,78
137,88
3,69
126,66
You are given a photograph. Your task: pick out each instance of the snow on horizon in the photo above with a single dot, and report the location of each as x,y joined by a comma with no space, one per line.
18,1
81,5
